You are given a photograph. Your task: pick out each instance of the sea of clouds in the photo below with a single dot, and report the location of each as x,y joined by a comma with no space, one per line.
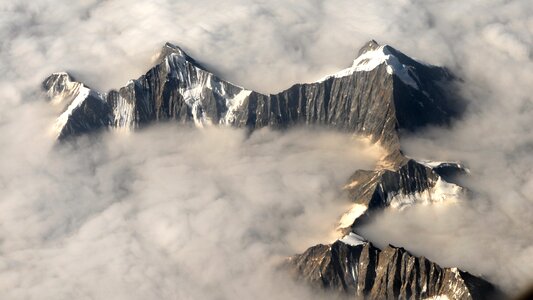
181,213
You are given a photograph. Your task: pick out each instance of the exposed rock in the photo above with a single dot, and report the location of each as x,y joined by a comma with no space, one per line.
364,271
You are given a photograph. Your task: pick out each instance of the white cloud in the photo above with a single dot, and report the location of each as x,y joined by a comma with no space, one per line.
171,213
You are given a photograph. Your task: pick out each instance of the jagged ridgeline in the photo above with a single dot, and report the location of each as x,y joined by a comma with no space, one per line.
354,267
383,93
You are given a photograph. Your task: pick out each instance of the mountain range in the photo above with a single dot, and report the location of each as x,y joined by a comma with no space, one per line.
383,94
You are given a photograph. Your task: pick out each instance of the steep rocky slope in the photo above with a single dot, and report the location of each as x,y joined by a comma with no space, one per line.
357,268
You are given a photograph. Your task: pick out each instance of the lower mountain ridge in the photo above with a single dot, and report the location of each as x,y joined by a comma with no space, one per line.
356,268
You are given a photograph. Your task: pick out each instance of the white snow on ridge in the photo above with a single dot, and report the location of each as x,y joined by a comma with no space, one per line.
123,115
82,94
353,239
195,81
233,105
436,164
431,163
370,60
442,191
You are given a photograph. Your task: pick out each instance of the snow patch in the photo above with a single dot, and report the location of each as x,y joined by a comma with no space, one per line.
436,164
441,192
196,84
353,239
430,163
370,60
123,114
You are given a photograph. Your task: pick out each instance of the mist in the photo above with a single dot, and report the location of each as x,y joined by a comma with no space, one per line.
172,212
103,205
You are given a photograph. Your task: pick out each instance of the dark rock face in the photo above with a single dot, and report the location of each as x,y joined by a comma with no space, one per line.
375,102
364,271
383,93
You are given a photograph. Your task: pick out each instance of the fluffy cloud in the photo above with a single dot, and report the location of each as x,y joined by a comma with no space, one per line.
171,213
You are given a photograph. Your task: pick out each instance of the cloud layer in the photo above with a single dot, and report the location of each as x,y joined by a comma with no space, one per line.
171,213
60,206
489,234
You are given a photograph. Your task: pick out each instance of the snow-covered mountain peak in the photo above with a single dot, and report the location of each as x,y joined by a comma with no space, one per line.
373,55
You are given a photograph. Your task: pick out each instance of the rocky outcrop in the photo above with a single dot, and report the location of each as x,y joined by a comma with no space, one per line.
361,270
407,183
